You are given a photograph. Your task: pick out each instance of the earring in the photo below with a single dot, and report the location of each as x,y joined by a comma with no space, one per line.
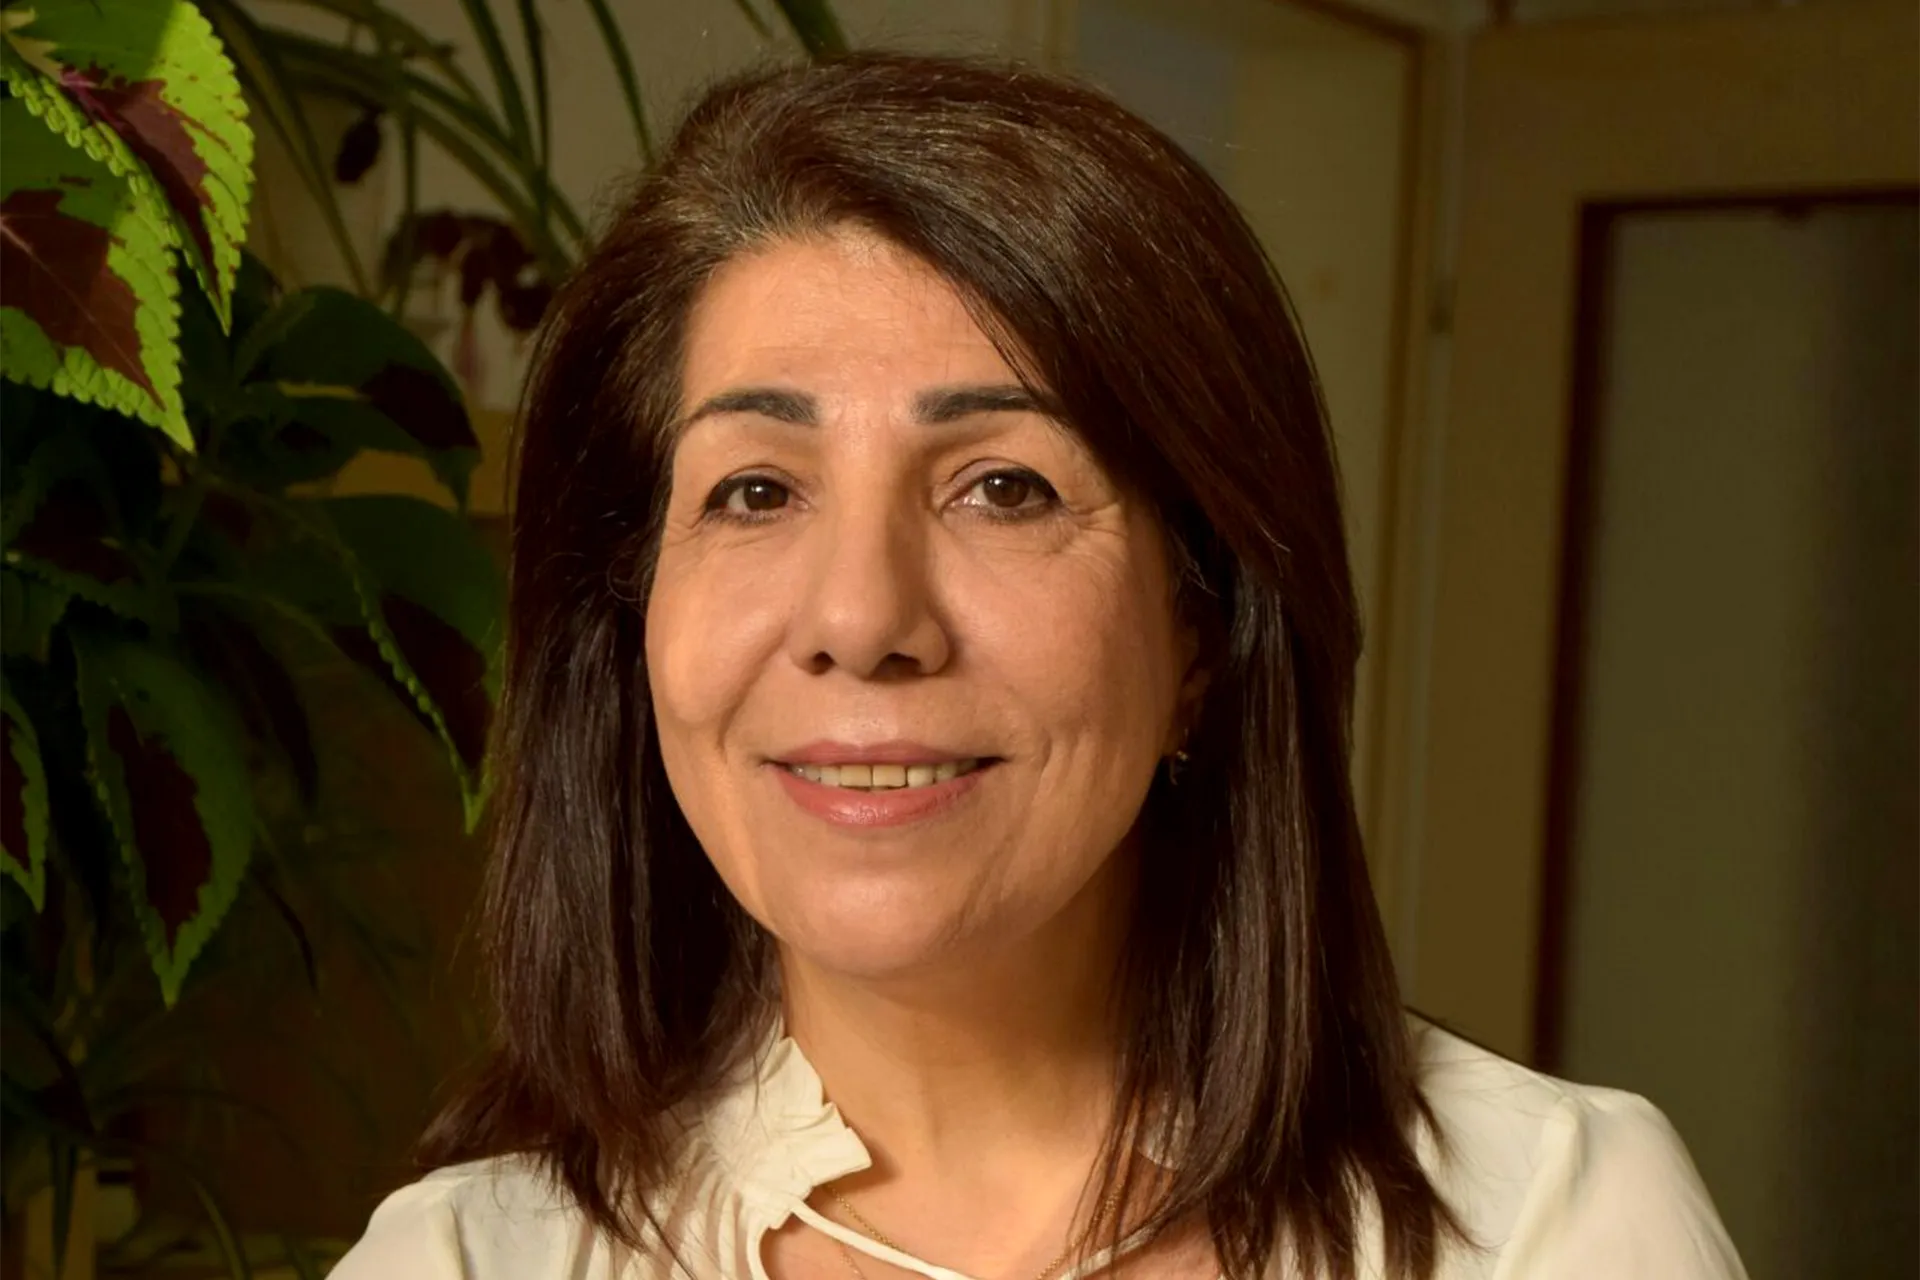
1176,765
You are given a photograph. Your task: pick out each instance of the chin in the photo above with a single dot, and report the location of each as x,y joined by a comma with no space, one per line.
866,959
857,936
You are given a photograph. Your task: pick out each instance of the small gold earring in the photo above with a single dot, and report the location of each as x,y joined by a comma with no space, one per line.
1176,765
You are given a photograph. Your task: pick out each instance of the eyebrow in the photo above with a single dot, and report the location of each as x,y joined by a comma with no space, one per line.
767,402
950,404
930,408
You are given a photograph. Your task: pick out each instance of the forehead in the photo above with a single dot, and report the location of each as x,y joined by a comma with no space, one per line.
842,310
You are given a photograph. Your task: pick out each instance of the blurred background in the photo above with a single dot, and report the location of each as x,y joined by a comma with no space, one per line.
1617,308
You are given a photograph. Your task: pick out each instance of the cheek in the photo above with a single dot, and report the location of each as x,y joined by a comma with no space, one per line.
1088,644
712,624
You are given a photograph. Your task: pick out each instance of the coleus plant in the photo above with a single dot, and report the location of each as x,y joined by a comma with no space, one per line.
406,83
168,421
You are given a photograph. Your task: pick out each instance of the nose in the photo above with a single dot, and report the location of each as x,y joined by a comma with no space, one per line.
868,607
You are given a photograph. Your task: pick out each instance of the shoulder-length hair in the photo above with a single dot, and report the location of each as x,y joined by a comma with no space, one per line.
1263,1033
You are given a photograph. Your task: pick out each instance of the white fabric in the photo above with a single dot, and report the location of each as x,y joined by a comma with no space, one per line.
1555,1181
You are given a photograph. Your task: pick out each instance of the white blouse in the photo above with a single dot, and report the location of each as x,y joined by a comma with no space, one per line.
1555,1181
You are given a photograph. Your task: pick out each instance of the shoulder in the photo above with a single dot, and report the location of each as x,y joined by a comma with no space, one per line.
1558,1180
493,1218
508,1219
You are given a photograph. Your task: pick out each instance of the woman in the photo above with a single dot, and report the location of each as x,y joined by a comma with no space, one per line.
923,837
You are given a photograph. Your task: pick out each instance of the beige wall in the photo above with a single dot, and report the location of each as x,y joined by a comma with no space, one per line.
1776,99
1319,171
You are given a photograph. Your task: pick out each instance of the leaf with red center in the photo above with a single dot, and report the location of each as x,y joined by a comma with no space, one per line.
96,310
361,380
453,669
156,134
175,852
59,530
269,701
458,672
23,802
145,88
406,589
87,291
164,758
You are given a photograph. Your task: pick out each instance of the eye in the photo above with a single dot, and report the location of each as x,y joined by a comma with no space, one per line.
748,497
1010,494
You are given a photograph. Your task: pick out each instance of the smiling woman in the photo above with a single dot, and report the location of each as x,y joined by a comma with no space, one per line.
881,558
922,829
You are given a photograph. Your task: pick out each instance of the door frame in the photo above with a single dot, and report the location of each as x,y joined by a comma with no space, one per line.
1557,118
1592,309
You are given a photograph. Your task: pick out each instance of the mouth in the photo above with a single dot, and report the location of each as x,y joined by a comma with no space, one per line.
878,784
870,777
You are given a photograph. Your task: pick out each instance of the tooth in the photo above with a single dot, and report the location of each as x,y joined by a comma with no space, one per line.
889,775
946,771
856,775
830,774
810,772
920,775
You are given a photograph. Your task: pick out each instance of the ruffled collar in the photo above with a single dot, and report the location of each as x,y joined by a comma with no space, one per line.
780,1139
776,1132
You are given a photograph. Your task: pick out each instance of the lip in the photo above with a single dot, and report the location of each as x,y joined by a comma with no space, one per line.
893,751
896,807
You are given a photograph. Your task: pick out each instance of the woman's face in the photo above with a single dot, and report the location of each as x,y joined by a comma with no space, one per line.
913,653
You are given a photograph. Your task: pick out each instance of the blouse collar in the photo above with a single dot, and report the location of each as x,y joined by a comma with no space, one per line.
776,1132
780,1139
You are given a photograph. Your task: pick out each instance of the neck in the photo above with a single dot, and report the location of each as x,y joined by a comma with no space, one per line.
982,1066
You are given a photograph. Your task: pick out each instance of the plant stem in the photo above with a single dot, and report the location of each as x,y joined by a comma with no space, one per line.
198,480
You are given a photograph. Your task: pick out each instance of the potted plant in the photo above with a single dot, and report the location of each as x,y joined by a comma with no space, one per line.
169,418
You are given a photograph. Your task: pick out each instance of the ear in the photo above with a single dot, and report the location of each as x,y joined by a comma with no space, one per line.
1195,676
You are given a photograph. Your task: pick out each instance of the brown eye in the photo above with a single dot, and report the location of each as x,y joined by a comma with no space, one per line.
1011,493
763,495
1006,491
747,496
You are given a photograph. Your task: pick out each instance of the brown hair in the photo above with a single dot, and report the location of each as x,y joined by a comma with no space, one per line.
1258,994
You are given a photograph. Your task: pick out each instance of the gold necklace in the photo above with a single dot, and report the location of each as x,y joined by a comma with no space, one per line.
878,1236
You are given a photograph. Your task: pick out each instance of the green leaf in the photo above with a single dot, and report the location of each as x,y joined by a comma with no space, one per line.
623,68
255,675
405,589
61,528
814,24
754,20
468,133
88,298
146,89
506,84
23,802
266,82
164,756
535,40
270,332
29,608
352,377
411,42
